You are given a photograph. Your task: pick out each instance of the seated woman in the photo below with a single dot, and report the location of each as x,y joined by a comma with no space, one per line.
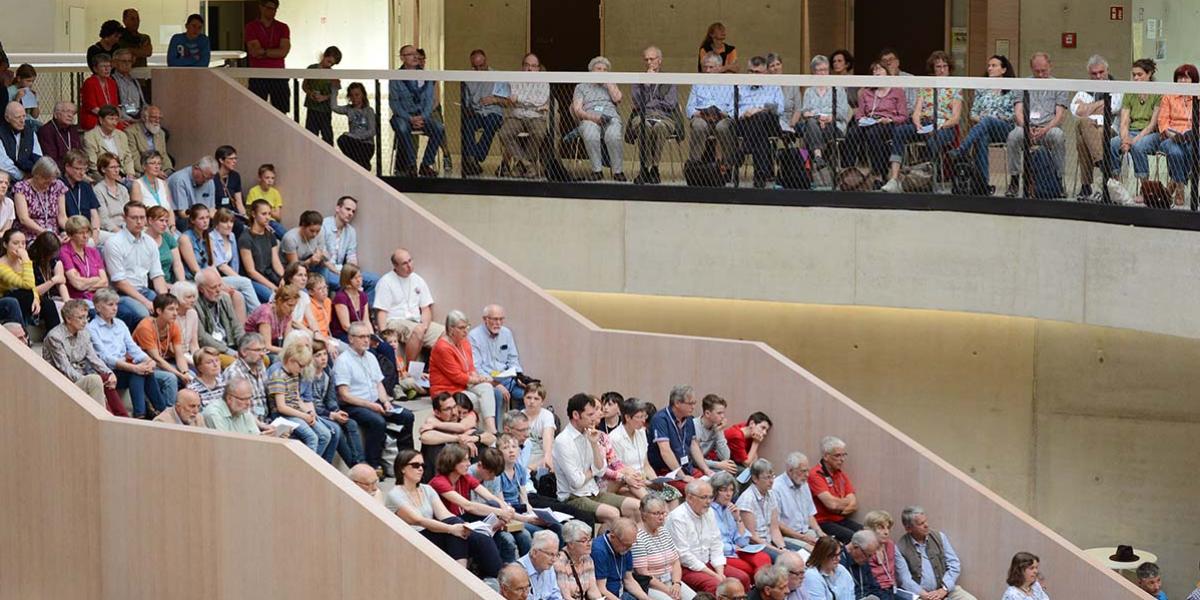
188,319
1138,128
196,249
112,195
991,115
209,381
815,119
575,571
151,188
619,477
656,563
160,338
225,257
320,310
82,264
452,370
283,389
935,119
17,280
273,320
630,443
595,106
40,200
457,487
734,535
421,507
880,111
1174,126
159,222
826,578
1024,579
48,272
296,274
883,562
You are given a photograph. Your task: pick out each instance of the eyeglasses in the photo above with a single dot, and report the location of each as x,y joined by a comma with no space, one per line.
704,497
242,398
796,573
840,454
416,465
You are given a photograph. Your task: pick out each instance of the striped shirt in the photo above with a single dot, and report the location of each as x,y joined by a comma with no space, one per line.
653,554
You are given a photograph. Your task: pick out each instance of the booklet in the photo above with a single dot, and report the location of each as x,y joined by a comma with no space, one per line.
744,477
551,516
485,526
283,427
867,122
510,372
752,548
416,370
925,129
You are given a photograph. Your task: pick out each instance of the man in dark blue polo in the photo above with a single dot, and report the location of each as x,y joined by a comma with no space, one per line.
673,442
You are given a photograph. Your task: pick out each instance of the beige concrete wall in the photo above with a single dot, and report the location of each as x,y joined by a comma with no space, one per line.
1088,428
1176,24
1042,26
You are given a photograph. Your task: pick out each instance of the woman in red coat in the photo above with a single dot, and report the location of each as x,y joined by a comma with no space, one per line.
452,370
98,90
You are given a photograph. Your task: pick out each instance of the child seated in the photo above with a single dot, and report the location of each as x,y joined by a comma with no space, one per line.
266,190
21,90
407,385
283,389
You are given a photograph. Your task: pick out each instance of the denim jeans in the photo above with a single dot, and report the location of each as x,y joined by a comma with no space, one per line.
989,130
516,393
244,287
316,436
512,545
405,154
350,446
485,126
168,388
264,293
335,439
1139,154
907,133
1179,159
10,311
141,388
131,312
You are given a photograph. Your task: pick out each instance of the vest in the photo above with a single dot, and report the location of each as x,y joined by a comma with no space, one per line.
23,155
933,550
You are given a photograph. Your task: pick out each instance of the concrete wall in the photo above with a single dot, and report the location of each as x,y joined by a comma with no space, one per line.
1176,23
1043,23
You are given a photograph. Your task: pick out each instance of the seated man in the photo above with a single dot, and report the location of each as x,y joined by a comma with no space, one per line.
656,120
516,424
61,134
530,102
1149,578
514,583
495,352
539,566
108,138
190,185
832,491
697,537
148,135
360,393
20,147
412,105
856,557
68,348
186,410
614,562
710,434
81,195
232,413
250,366
744,438
341,241
579,463
926,564
132,102
710,110
1047,110
672,437
483,105
305,243
445,426
794,563
403,302
364,476
758,121
797,513
132,262
219,327
1090,138
770,583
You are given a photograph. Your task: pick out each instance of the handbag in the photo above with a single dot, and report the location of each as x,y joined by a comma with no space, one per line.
855,179
917,179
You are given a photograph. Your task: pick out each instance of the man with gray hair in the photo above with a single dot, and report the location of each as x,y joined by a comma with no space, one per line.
129,92
1047,111
483,104
1090,137
148,135
772,582
710,110
697,537
514,582
797,513
20,148
361,394
926,564
539,566
759,107
832,491
220,328
232,412
794,563
495,352
656,118
190,185
856,558
672,437
61,134
69,349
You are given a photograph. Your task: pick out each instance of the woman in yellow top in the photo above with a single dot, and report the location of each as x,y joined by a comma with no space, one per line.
266,190
18,282
1176,128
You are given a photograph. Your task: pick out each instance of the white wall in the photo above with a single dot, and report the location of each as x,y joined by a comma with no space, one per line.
359,29
34,34
1176,26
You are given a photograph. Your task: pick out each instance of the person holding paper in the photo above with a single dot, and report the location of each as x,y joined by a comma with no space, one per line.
937,133
673,433
510,484
495,353
232,412
856,558
283,386
739,552
455,486
579,462
697,536
452,369
759,510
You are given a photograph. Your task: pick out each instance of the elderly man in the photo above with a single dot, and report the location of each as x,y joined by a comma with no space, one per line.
134,368
219,328
530,105
514,583
672,434
68,347
133,265
697,537
1047,111
1149,579
579,461
1090,138
539,566
656,118
926,564
19,142
832,491
360,393
148,135
856,557
403,302
268,43
232,413
18,331
367,480
710,110
193,185
251,367
412,104
138,43
341,241
614,562
794,563
186,410
483,105
731,589
710,434
129,91
305,243
61,134
797,513
772,583
495,353
108,138
759,107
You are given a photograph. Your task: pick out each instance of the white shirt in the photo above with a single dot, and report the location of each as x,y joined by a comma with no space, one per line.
696,537
132,259
1088,98
537,426
1015,593
402,297
632,452
110,143
7,210
573,457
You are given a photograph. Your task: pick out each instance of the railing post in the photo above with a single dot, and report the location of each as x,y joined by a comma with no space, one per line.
837,155
735,161
933,140
296,100
1195,193
1027,192
1105,167
378,130
641,128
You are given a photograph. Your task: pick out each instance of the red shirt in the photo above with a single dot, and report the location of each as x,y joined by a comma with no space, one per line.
95,94
837,484
441,484
269,37
739,446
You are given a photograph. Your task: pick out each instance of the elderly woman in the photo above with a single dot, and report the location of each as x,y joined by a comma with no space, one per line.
595,106
759,509
734,535
821,121
452,370
82,264
880,111
40,200
209,381
151,188
98,90
935,119
883,563
188,319
991,115
656,563
826,578
575,570
112,195
1023,579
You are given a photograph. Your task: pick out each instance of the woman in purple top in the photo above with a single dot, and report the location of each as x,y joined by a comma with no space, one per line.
350,303
880,110
83,264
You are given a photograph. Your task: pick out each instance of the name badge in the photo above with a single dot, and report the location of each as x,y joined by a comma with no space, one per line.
684,461
218,335
1035,115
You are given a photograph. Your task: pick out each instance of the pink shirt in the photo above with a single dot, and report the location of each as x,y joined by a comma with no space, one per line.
88,265
892,105
269,38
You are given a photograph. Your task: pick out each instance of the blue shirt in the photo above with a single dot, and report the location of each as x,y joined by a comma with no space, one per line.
542,586
928,581
184,193
113,342
81,199
664,427
185,52
864,581
704,96
610,566
511,486
728,523
494,354
342,246
760,96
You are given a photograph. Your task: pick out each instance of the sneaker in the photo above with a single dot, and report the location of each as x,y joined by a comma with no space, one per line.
892,186
1014,187
1085,193
619,177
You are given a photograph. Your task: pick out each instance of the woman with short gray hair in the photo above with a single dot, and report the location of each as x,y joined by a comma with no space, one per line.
595,106
452,370
188,319
574,569
37,198
822,123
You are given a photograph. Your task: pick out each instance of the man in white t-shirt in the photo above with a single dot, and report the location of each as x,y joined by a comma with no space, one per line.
404,303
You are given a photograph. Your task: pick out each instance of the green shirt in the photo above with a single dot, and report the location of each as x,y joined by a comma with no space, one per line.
1141,111
320,86
169,243
217,416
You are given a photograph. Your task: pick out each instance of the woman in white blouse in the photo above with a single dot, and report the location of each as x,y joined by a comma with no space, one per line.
1023,579
629,441
151,188
111,195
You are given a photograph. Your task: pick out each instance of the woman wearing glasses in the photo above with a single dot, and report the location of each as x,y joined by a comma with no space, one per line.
826,578
574,567
419,506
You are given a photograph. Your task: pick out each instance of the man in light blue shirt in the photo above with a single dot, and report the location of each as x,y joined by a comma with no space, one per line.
360,393
710,111
797,513
134,368
758,112
926,564
341,242
483,105
412,111
539,565
495,352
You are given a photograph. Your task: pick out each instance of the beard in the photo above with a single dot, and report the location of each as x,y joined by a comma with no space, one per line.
154,129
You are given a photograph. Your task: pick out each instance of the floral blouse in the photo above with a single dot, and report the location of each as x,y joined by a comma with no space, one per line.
994,103
945,104
43,206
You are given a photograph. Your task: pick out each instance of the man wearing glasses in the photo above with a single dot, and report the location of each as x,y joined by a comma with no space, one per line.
833,491
514,582
697,537
495,351
539,568
364,476
232,413
361,394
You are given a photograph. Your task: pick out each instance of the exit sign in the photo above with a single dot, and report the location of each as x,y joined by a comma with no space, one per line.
1116,13
1069,40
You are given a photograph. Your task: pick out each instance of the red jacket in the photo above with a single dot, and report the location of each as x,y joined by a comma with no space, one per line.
93,95
450,367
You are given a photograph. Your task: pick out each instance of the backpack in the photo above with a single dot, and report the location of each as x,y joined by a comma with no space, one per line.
917,179
969,180
794,173
1047,182
702,174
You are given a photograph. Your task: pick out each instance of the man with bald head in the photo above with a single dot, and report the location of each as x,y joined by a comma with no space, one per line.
404,303
186,410
232,412
19,142
731,589
495,352
513,582
367,480
61,134
614,562
697,537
